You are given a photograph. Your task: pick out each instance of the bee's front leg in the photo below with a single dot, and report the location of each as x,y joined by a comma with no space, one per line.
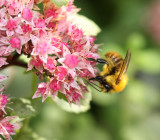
101,61
97,78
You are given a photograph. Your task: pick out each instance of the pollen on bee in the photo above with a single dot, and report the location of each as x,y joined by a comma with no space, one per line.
122,84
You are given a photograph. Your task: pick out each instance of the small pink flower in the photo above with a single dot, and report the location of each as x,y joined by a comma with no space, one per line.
2,78
42,48
61,45
69,79
36,61
73,96
7,128
42,90
13,8
2,2
3,17
84,73
79,47
54,85
26,28
50,12
76,34
92,39
15,42
11,25
42,33
76,97
3,102
70,5
27,14
51,64
51,25
71,61
55,42
40,23
2,51
61,72
3,61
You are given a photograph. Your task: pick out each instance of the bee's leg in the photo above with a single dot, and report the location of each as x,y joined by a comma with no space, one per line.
90,83
101,80
93,78
101,61
97,78
94,85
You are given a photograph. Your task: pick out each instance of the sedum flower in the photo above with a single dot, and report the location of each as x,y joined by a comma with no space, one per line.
58,49
3,102
2,78
6,127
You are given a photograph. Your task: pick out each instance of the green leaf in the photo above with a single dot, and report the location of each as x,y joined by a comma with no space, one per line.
24,58
89,27
84,103
60,3
23,108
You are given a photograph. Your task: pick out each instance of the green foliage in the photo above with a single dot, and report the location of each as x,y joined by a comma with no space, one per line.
23,108
60,3
54,123
136,41
147,60
28,134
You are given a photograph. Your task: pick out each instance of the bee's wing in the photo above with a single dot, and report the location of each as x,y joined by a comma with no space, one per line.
127,61
124,66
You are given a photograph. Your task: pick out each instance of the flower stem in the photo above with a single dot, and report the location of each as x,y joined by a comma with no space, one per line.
13,61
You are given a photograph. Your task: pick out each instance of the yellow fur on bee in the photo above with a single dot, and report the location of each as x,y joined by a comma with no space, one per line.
122,84
105,70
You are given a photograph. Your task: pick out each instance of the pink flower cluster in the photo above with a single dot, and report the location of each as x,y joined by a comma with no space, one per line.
6,127
58,49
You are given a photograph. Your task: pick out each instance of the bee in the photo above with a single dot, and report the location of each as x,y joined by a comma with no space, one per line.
113,77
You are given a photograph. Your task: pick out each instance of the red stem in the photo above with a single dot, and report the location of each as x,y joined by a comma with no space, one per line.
13,61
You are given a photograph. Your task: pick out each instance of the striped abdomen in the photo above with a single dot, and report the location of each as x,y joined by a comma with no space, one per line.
114,61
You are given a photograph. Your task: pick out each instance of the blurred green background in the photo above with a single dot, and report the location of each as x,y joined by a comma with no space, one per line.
133,114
